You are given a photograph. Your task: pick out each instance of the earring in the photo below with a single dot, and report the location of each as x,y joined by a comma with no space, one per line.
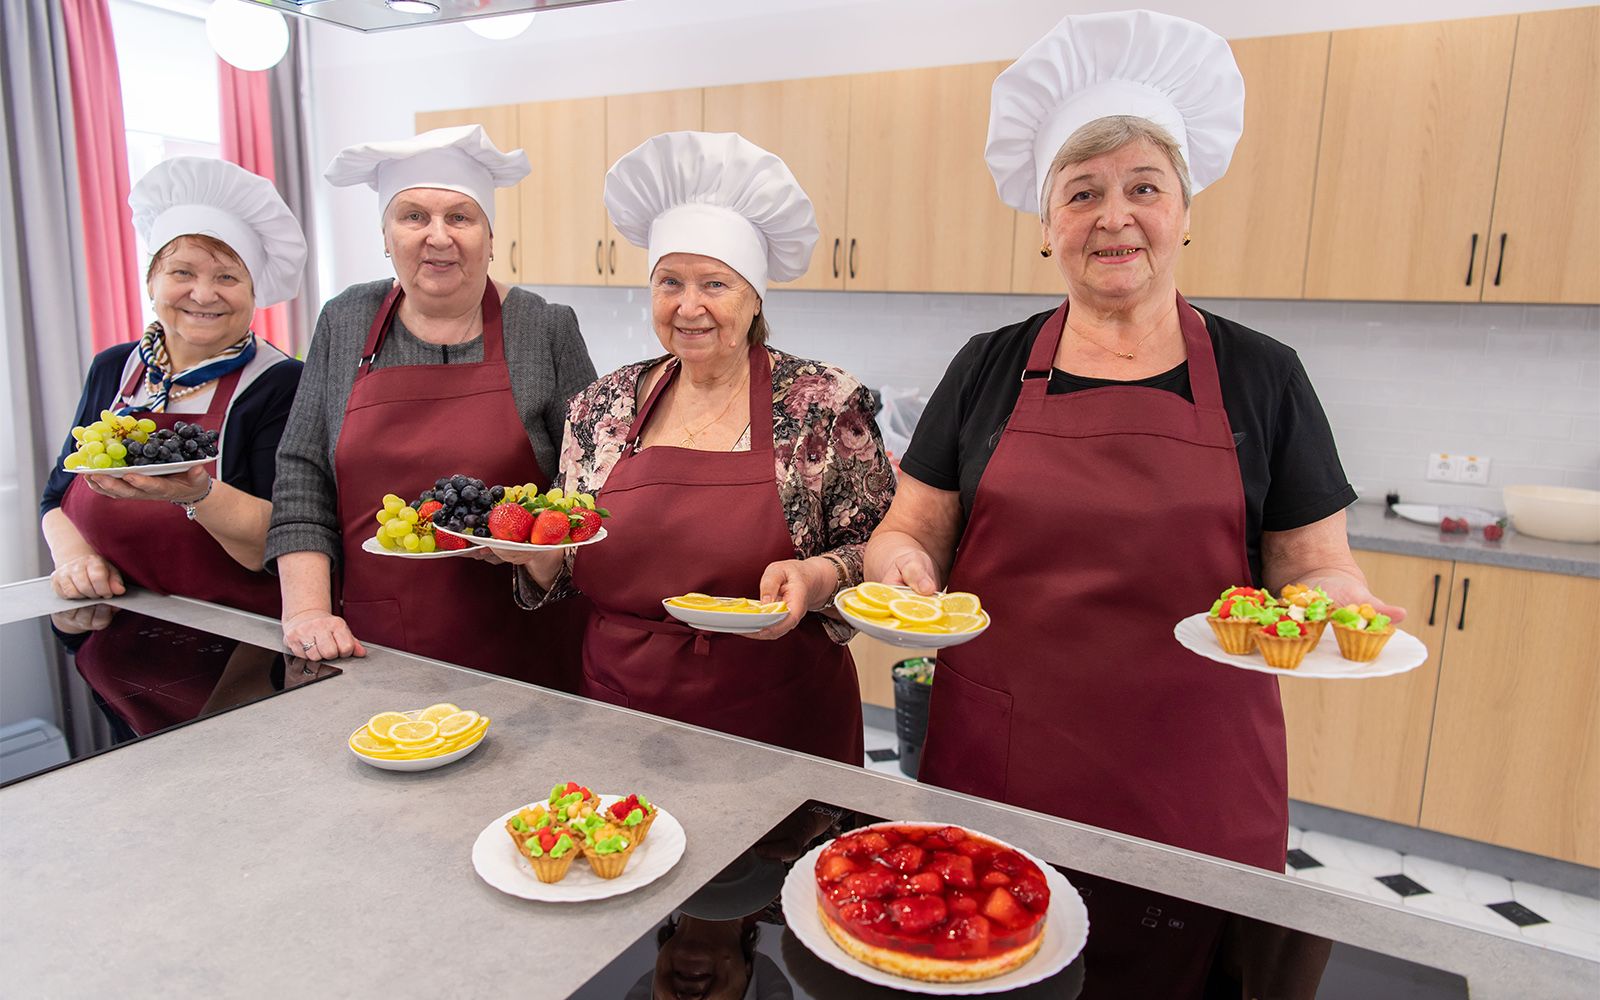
1185,239
1044,250
386,253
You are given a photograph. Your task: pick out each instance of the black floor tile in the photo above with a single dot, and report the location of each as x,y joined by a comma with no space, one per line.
1517,913
1299,860
1403,885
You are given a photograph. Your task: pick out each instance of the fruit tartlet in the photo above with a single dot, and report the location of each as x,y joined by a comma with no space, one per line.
1284,643
572,801
609,849
1236,614
633,814
527,823
1309,605
551,851
938,904
1361,632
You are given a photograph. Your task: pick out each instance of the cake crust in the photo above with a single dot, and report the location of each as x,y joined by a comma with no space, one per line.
933,970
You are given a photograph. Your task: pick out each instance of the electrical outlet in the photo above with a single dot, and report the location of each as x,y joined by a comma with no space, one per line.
1475,469
1444,468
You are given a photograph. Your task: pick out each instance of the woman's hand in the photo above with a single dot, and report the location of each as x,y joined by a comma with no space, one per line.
86,577
1318,555
83,619
909,566
805,585
320,635
1343,589
187,486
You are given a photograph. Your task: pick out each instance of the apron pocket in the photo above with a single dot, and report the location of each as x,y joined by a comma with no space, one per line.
969,736
588,687
377,621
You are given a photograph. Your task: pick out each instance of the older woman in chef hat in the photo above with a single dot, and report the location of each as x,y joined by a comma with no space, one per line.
223,244
1098,473
729,467
435,372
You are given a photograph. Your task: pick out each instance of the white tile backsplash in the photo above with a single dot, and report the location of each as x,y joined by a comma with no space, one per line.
1398,380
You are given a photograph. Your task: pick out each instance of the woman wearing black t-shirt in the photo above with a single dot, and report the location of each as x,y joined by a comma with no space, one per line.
1098,474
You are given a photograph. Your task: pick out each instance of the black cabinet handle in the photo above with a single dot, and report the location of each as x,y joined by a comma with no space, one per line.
1461,623
611,257
599,245
836,257
852,256
1472,259
1434,607
1501,262
514,267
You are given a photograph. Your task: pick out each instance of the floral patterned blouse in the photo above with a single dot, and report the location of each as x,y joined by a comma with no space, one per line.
832,474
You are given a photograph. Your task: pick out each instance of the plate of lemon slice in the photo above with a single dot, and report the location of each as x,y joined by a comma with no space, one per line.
418,740
732,615
902,617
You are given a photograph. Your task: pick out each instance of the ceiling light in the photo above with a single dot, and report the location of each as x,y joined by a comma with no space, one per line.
502,27
247,36
413,6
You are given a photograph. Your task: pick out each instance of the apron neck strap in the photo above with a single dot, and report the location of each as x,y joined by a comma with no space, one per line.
1204,384
221,396
383,322
1041,359
760,401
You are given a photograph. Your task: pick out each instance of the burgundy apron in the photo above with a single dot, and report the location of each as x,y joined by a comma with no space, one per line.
1103,518
709,522
404,427
155,545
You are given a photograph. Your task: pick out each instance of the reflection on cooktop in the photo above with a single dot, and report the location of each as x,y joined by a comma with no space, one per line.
78,683
731,939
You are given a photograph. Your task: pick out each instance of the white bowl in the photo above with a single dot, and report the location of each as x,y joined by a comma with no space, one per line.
1557,513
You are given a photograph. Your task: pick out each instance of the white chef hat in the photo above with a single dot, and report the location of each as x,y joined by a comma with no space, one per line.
200,196
1176,73
716,194
460,158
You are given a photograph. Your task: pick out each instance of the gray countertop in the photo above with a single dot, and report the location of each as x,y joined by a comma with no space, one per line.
251,855
1375,528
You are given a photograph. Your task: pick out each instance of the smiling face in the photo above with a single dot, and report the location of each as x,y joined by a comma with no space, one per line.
702,960
203,297
1115,223
701,308
439,241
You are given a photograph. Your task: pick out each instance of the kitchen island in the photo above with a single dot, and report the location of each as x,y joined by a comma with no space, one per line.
251,854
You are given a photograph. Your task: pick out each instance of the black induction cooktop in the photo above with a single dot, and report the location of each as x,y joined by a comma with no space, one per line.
79,683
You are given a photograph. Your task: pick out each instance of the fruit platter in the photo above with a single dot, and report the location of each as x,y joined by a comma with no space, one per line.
902,617
117,445
731,615
933,908
575,845
458,512
418,740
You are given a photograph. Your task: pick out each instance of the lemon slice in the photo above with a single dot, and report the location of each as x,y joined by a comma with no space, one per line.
364,742
437,713
409,734
915,610
704,602
960,602
878,594
853,604
774,607
926,628
429,748
457,723
467,736
380,725
963,622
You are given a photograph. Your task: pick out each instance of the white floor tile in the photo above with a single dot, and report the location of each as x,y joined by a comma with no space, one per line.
1459,909
1561,908
1295,833
889,767
1351,881
1565,937
879,739
1350,855
1456,882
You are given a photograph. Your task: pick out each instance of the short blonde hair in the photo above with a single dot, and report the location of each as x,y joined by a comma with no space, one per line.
1107,135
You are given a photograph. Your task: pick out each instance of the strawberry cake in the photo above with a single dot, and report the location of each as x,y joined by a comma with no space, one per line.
933,903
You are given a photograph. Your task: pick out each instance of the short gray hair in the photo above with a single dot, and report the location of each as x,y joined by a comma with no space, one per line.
1107,135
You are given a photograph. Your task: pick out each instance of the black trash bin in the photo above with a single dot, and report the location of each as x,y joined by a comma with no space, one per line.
912,687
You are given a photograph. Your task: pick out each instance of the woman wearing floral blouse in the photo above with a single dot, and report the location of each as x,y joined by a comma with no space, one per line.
729,467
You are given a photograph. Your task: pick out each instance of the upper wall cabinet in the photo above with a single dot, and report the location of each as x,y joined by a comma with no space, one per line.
1544,242
1405,178
807,123
563,218
500,123
630,120
923,213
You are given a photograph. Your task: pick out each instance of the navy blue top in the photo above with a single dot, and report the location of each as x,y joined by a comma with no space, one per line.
255,422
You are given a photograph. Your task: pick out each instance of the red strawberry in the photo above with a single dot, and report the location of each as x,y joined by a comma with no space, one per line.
925,883
871,842
873,884
587,526
945,836
509,522
992,879
918,913
426,511
962,904
448,543
549,528
862,914
1003,908
1494,532
1010,862
905,858
1031,892
834,867
1226,609
548,838
967,936
955,869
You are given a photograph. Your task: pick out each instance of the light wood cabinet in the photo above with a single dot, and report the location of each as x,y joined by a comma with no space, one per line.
1362,746
630,120
563,217
923,214
807,124
1545,237
1515,755
1405,176
500,124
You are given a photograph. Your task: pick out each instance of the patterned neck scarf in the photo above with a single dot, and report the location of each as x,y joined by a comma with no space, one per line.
165,384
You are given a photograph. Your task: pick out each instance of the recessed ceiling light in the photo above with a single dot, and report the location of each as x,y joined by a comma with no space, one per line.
413,6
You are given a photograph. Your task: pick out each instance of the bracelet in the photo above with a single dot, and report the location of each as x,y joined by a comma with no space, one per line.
188,507
842,575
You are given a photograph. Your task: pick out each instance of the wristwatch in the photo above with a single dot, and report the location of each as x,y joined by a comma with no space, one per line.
189,506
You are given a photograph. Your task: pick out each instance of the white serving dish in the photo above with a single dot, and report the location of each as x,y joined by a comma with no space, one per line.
1556,513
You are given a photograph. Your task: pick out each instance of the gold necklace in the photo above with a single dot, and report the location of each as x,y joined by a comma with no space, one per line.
689,435
1125,355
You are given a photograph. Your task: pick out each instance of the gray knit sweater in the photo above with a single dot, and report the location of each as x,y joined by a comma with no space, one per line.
548,360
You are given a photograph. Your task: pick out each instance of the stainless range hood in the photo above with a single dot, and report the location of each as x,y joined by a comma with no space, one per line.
378,15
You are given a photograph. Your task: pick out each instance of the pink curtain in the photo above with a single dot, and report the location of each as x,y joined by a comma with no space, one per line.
247,141
102,147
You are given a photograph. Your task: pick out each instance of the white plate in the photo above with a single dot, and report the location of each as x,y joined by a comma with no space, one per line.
1066,931
1401,653
500,864
424,764
372,545
1427,513
728,622
504,546
163,469
907,640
